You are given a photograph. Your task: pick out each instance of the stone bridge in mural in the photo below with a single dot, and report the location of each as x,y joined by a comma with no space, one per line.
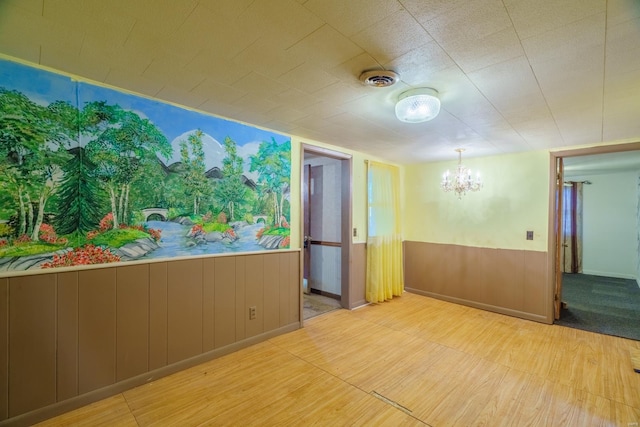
163,213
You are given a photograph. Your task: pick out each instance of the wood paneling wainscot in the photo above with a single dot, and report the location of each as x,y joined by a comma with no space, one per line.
4,349
70,338
512,282
184,309
132,321
358,274
32,343
96,328
158,323
67,344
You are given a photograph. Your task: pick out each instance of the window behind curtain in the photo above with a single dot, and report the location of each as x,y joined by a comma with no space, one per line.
385,278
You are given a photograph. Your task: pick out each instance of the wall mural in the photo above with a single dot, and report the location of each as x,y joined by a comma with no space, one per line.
90,175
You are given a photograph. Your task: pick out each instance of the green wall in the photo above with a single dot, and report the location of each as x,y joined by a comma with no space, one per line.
514,199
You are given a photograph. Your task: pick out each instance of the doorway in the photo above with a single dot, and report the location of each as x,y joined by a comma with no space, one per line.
326,238
596,296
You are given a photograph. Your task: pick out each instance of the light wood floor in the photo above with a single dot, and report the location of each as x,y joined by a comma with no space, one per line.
412,361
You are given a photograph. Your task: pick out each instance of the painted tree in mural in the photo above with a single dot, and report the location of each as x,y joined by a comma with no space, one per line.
95,119
192,158
62,121
230,189
273,164
73,211
17,113
123,145
150,189
32,139
79,196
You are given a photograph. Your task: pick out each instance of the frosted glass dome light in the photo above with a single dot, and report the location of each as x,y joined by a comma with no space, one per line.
418,105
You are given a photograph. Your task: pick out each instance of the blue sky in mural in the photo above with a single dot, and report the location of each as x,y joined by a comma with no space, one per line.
40,86
175,122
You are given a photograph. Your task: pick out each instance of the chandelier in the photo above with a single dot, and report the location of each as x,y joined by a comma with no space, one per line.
462,180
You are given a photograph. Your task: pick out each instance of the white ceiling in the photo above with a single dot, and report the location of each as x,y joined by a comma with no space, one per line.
513,75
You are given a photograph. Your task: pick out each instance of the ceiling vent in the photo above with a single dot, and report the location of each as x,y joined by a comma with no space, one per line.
379,78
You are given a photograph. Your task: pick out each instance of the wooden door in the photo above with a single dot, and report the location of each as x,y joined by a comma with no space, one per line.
557,296
306,240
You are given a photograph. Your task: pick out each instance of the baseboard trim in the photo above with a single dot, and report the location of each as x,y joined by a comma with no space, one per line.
608,274
358,304
324,293
60,408
487,307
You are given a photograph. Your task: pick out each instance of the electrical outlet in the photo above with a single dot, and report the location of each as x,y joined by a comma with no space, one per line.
252,312
529,235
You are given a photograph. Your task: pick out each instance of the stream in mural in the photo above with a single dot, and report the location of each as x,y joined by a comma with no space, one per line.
175,241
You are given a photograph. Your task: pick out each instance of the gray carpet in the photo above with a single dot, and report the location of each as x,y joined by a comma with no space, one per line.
604,305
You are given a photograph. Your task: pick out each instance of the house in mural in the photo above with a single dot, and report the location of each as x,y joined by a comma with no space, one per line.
92,175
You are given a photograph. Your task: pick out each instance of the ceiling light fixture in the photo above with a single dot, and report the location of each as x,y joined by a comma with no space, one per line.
461,181
418,105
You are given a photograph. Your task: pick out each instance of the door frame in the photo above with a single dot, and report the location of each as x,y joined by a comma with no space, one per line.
553,254
346,161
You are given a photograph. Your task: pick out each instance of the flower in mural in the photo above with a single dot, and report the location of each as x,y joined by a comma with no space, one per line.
222,218
196,230
48,234
106,223
155,234
284,243
86,255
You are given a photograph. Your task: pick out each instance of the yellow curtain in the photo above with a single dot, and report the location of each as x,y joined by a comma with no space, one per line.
385,277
